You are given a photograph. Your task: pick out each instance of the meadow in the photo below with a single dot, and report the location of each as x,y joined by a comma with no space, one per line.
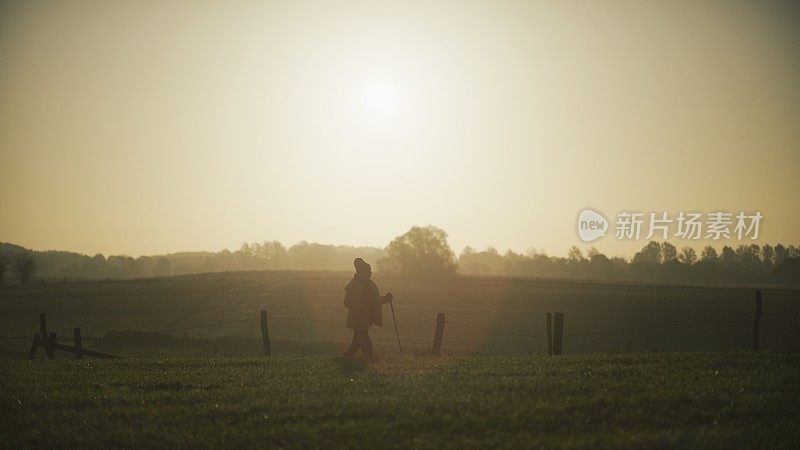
193,377
490,315
635,400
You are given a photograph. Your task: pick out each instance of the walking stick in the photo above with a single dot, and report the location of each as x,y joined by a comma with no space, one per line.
394,319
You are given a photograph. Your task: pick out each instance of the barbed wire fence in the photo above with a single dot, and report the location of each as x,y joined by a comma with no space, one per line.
440,322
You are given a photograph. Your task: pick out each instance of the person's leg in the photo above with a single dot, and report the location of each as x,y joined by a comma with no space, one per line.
366,343
354,345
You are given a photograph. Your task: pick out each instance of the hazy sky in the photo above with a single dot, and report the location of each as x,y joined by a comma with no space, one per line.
156,126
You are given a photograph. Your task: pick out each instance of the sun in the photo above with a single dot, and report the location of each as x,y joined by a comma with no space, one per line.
379,98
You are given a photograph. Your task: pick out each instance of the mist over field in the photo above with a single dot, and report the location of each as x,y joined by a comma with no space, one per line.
425,251
146,129
379,224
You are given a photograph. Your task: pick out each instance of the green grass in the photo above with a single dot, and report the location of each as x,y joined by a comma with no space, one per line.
206,387
689,400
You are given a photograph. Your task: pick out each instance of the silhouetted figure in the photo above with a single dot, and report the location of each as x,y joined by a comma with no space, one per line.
363,302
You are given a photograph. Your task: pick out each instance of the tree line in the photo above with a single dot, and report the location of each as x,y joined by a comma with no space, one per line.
424,251
655,262
268,255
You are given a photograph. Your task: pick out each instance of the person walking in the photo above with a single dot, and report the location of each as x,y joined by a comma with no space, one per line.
364,308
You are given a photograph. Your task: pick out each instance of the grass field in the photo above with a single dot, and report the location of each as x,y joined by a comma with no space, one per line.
307,315
199,385
688,400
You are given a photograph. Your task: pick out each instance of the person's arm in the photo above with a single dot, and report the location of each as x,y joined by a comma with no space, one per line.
387,297
353,297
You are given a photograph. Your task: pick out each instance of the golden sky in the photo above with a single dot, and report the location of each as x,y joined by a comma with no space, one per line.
156,126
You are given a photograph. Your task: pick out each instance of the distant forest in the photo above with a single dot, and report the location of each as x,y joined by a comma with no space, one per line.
255,256
655,262
423,251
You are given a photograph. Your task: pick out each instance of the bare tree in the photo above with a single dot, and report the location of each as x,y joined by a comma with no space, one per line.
780,254
574,254
687,256
668,252
24,267
650,254
709,254
767,254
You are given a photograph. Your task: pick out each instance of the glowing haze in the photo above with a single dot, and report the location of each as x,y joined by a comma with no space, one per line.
151,127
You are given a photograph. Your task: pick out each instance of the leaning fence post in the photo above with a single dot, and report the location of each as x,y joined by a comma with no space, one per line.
37,341
437,336
76,333
558,334
265,334
43,326
51,346
757,320
549,334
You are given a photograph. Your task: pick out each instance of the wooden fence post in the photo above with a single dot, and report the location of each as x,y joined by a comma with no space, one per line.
76,333
549,334
558,334
51,346
265,334
43,326
48,342
437,336
757,320
37,341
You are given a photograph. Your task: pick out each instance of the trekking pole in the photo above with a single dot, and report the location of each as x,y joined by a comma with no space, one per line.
394,319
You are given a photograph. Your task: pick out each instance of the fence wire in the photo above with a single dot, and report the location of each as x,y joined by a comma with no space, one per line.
677,324
456,323
210,325
493,330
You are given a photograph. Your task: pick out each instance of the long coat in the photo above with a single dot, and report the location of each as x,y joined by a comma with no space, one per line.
363,302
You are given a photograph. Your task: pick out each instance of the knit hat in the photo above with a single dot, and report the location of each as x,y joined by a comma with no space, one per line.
361,265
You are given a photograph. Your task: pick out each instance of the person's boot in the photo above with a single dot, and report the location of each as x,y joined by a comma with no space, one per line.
353,349
349,354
